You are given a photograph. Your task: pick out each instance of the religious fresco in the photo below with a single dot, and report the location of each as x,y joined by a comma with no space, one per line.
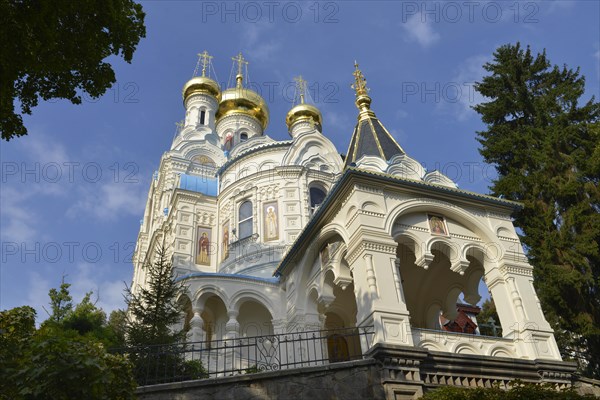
271,221
437,225
225,241
203,251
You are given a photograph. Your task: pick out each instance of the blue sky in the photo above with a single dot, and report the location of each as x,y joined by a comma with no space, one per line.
73,190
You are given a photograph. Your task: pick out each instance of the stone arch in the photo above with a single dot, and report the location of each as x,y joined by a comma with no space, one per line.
430,345
444,245
371,206
444,208
214,316
464,348
249,295
434,290
501,351
254,318
329,231
205,292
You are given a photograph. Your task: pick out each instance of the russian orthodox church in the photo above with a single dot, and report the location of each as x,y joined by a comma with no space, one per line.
278,236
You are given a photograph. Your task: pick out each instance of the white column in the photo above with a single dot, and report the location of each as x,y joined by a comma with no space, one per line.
196,333
232,328
379,296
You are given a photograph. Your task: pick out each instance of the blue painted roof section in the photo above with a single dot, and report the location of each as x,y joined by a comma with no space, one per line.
274,280
200,184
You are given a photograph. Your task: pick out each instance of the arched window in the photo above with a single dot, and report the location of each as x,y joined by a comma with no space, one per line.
245,220
317,196
202,117
243,137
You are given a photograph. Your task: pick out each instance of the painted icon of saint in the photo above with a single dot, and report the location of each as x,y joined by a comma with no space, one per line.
204,246
271,223
225,241
436,224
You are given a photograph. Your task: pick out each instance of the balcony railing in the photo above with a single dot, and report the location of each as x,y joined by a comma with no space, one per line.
199,360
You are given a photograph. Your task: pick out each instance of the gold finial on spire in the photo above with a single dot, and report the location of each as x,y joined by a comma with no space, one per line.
363,101
301,86
360,83
205,60
240,62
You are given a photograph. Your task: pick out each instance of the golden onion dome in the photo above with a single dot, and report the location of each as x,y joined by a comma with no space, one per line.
200,85
304,111
241,100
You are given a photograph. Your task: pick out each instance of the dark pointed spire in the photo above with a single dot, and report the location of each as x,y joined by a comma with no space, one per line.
370,136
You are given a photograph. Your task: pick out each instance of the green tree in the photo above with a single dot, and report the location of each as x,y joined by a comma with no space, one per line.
519,391
52,363
489,322
157,349
85,319
546,149
56,49
61,302
153,309
117,322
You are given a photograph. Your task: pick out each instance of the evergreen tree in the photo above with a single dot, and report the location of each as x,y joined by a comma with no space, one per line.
153,309
546,149
156,348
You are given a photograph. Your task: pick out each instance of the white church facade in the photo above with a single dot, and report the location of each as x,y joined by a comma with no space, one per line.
272,237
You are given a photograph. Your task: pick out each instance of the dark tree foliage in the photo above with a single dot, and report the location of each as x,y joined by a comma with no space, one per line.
155,346
488,320
153,309
546,149
56,49
85,319
54,363
519,391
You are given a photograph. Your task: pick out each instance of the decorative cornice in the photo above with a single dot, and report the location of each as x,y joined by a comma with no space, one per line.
366,245
364,212
508,239
507,269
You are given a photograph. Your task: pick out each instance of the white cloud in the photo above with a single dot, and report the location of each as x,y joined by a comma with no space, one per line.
459,95
37,294
43,149
18,221
259,41
93,278
400,114
420,31
108,201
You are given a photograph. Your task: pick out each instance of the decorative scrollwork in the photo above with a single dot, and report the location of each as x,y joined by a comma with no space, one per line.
268,347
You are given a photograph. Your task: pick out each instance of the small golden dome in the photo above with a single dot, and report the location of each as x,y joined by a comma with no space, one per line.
200,85
240,100
304,111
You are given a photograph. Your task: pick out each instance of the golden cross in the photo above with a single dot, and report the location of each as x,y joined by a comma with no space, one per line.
205,61
301,85
240,61
360,83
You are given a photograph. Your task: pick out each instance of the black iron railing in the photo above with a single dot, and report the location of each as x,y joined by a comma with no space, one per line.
199,360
